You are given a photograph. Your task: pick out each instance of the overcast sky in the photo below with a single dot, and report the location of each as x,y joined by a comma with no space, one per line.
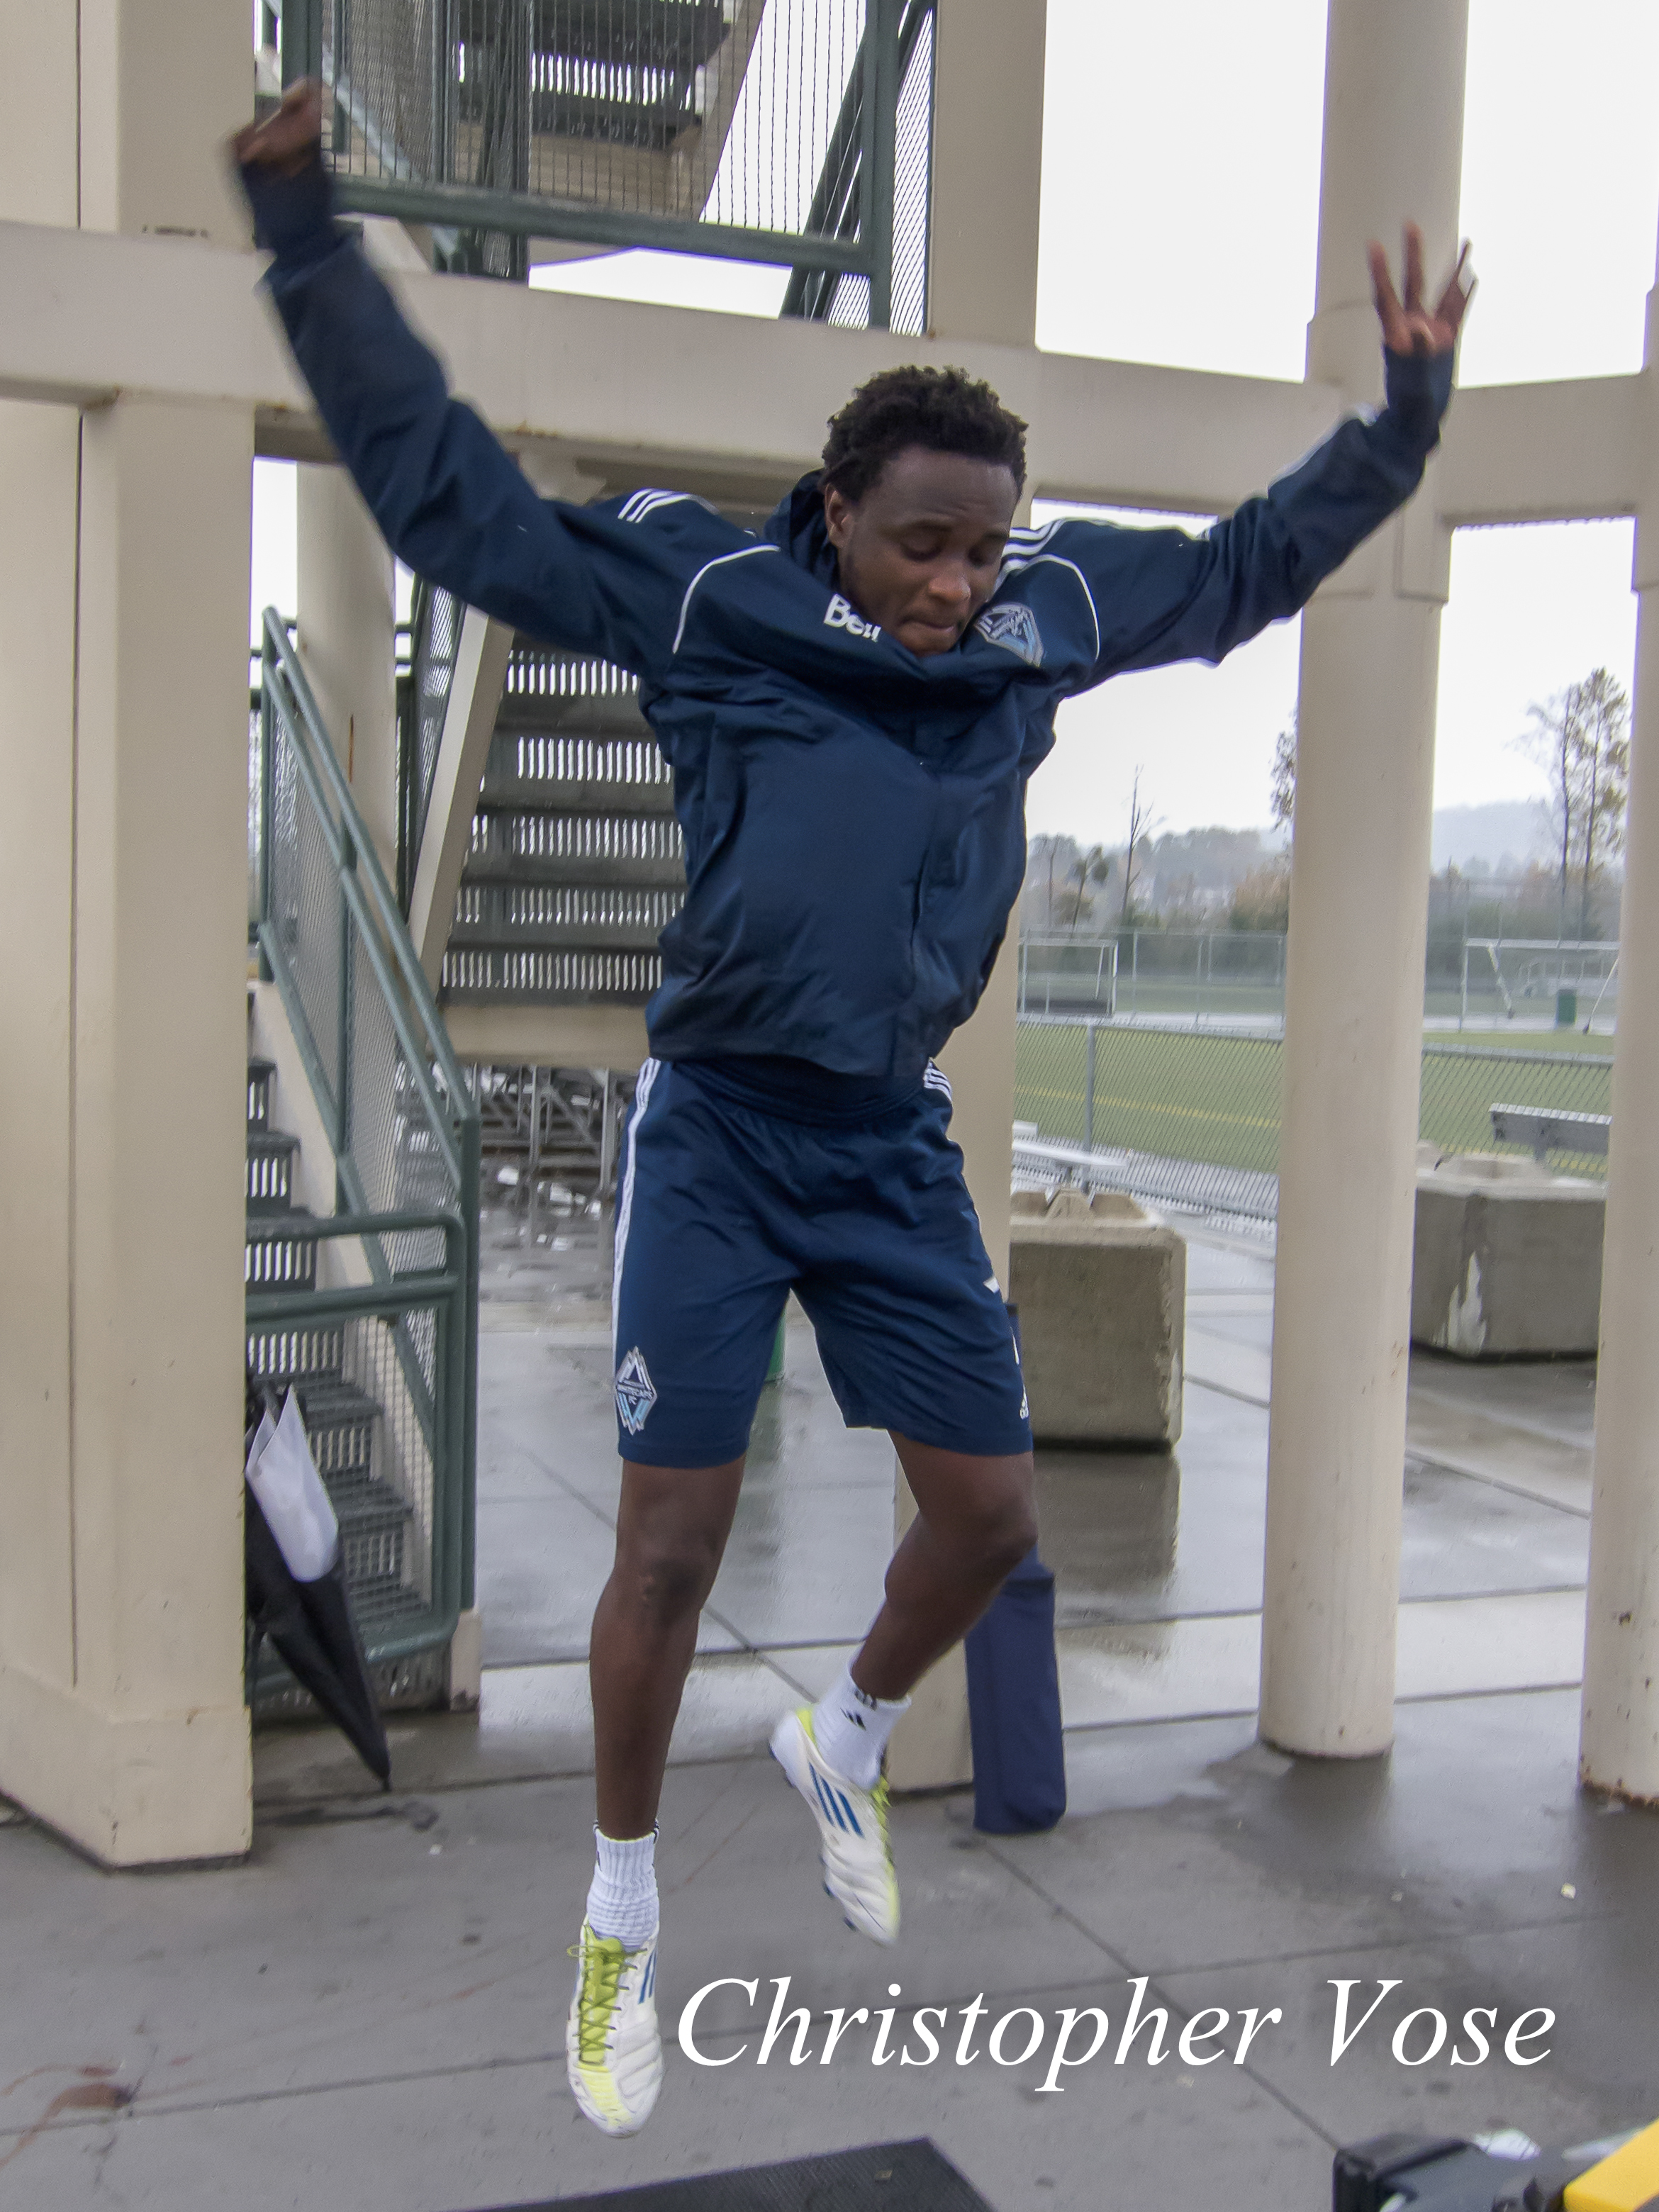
1211,266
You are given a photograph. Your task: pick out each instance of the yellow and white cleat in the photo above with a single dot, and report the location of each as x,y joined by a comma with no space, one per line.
857,1859
613,2050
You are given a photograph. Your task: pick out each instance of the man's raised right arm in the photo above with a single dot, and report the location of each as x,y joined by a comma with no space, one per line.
450,500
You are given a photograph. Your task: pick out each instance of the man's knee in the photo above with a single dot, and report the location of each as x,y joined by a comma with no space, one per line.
997,1528
1009,1537
665,1581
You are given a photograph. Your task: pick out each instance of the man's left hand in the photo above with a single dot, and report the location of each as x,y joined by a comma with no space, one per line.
1407,325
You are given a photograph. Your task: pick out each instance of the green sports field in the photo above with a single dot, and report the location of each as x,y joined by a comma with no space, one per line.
1196,1096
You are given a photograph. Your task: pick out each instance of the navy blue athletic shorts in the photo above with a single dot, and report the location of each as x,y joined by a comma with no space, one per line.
724,1205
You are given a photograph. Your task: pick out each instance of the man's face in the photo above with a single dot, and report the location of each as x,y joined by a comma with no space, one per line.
919,553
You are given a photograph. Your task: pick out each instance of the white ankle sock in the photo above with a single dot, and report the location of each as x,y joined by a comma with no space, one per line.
851,1729
621,1900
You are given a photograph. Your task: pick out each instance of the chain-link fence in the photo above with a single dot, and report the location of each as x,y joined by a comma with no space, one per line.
1235,977
1224,975
387,1322
761,129
1189,1118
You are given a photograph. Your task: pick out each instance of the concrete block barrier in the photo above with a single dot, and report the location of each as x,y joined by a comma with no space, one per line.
1507,1262
1100,1288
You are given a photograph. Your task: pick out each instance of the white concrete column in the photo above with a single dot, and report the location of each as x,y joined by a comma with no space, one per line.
1394,102
347,641
988,175
122,705
1619,1748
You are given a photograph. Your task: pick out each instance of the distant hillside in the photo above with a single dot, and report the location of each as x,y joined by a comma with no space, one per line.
1503,829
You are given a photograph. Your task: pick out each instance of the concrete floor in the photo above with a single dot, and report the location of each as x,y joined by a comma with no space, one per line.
369,2012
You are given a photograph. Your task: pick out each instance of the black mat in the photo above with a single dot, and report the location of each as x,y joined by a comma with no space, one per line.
902,2177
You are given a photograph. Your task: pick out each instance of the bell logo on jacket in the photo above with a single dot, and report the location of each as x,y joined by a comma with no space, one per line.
842,615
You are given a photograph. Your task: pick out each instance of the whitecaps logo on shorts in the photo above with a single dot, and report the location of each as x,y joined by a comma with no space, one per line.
636,1393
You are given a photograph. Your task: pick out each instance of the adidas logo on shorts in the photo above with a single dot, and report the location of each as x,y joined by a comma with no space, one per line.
636,1393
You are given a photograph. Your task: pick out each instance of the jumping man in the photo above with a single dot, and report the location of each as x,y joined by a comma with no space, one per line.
852,703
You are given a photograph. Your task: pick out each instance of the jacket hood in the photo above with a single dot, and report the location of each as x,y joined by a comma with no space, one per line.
797,524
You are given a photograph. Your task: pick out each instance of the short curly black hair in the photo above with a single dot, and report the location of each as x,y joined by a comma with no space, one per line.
945,411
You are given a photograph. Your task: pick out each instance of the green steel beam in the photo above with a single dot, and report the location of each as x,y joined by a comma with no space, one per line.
525,215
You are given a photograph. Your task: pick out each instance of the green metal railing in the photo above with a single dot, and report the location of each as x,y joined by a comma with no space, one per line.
759,130
399,1322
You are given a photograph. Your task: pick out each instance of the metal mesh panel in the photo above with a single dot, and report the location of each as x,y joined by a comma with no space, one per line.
387,1392
402,1463
710,110
307,906
913,181
255,759
1189,1118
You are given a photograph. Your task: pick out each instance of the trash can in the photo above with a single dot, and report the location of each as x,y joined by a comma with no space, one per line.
1566,1009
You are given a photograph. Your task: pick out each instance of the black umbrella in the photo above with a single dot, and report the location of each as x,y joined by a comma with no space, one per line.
310,1625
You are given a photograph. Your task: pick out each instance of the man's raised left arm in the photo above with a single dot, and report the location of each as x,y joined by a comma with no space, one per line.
1167,595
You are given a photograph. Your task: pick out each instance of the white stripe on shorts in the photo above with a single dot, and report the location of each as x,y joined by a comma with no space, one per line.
625,1203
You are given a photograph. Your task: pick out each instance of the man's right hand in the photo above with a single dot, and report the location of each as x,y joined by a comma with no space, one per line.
289,141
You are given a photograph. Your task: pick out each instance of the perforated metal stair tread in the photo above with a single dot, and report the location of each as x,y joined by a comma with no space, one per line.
362,1503
259,1075
270,1169
280,1249
340,1422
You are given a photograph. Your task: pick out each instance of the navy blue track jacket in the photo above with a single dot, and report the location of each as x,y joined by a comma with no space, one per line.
854,815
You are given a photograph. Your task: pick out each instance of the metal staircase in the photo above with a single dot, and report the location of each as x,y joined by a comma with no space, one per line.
577,863
753,130
369,1310
345,1424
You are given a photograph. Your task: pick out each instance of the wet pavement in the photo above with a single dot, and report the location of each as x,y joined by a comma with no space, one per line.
369,2012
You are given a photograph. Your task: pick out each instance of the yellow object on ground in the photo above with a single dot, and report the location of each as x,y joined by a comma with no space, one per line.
1624,2183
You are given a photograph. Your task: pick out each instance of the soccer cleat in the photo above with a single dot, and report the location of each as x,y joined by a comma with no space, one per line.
858,1860
613,2051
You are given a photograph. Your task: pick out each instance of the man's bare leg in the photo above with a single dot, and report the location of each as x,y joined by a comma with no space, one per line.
975,1520
671,1533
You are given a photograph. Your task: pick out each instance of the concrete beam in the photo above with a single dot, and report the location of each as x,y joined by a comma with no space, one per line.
1541,453
637,394
631,393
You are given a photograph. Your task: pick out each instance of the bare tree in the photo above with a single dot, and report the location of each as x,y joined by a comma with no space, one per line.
1580,739
1048,857
1282,789
1604,777
1086,871
1140,825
